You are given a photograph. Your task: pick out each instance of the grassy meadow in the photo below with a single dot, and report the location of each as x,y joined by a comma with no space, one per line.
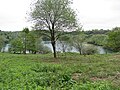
68,72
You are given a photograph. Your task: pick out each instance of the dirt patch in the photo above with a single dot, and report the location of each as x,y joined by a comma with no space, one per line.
55,62
48,60
116,77
117,56
98,79
110,78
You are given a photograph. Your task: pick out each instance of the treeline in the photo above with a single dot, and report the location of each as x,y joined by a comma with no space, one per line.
24,41
31,41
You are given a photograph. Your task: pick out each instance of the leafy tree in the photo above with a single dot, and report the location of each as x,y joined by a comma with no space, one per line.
98,39
41,48
89,49
114,39
2,42
96,31
54,16
64,43
16,45
78,42
26,31
31,42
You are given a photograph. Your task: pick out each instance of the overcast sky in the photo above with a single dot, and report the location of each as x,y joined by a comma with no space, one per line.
92,14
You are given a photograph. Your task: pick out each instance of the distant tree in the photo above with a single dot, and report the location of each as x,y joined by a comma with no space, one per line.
89,49
54,16
116,29
78,42
16,45
25,31
41,48
114,39
64,43
96,31
2,42
31,42
98,39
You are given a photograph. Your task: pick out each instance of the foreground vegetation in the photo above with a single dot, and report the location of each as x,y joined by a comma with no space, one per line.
70,72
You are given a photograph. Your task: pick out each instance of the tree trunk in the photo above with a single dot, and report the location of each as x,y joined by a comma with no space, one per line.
80,51
63,48
54,48
24,52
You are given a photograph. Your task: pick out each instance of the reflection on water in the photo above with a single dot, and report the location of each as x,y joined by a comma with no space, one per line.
6,48
101,50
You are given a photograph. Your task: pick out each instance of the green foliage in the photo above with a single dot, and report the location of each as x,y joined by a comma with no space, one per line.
26,30
25,34
16,45
41,72
114,39
89,50
20,74
2,42
98,39
31,42
97,31
51,75
41,48
64,43
44,49
93,86
78,42
53,16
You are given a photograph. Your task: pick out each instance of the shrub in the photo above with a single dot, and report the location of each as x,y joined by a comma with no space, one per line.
89,49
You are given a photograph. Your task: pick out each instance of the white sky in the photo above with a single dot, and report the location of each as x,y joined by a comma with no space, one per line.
92,14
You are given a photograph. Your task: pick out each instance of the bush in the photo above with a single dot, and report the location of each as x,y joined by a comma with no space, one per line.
44,50
89,50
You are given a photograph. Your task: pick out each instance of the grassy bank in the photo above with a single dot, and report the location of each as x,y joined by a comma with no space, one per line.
67,72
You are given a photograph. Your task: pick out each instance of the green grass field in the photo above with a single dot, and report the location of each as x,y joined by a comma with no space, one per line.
70,72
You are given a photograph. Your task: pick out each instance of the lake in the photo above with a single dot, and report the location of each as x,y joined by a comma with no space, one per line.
100,49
